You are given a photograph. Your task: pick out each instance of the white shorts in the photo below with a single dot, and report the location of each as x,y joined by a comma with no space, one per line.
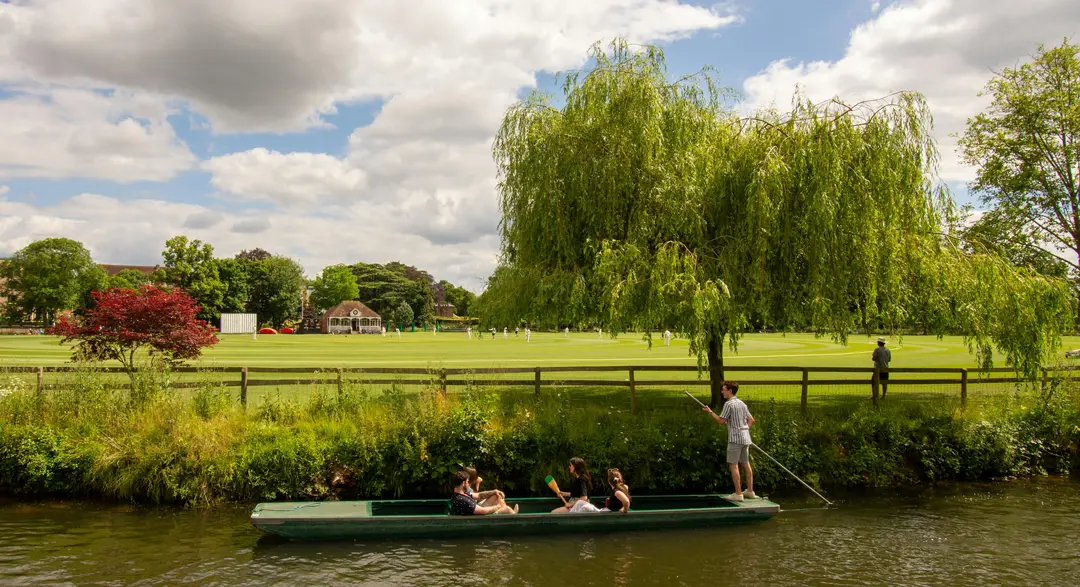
583,507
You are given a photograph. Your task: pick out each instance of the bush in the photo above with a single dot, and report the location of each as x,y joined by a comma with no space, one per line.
203,448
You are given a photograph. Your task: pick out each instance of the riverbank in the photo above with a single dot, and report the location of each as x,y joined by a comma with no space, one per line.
199,448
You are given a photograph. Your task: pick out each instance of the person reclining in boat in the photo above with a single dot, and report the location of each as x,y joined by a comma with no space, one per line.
618,500
462,504
484,498
579,489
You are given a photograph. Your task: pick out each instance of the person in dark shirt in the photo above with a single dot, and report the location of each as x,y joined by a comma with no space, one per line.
619,500
579,489
462,504
486,498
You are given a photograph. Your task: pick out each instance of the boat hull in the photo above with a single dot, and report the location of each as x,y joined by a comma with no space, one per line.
363,520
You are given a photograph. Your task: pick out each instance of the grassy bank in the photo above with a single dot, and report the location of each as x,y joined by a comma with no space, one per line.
201,448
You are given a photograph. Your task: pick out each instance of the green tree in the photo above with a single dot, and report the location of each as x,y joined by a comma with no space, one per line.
191,266
643,203
402,315
129,279
1026,146
47,277
275,286
235,273
461,298
1021,244
334,285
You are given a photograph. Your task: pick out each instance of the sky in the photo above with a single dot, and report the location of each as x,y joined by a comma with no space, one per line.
337,131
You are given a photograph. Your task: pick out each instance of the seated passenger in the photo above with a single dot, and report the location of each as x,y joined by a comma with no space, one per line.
485,498
462,504
619,500
579,490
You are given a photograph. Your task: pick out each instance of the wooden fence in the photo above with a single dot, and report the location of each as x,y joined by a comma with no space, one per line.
444,378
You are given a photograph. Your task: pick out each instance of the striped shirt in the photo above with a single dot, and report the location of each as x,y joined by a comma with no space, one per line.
738,421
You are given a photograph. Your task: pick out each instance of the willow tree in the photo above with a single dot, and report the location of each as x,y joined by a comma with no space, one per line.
644,203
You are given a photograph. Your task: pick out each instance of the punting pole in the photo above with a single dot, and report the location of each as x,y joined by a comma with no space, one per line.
793,475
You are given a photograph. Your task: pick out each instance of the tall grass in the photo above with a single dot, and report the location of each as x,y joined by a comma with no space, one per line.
199,447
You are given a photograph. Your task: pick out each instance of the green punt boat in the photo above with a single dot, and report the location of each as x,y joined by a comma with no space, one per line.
427,518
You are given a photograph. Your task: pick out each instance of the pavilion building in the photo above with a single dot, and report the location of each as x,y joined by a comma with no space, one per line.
350,317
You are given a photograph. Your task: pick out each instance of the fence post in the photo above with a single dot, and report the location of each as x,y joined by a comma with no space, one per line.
633,392
340,384
243,386
963,388
876,381
40,379
805,389
1045,380
442,381
536,385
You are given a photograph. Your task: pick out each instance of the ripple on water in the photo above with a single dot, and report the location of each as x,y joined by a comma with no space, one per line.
1015,533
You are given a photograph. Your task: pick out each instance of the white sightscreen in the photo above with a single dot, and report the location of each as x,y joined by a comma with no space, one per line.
238,323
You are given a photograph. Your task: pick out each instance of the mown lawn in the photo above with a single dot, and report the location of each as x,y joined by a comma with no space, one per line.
323,354
545,349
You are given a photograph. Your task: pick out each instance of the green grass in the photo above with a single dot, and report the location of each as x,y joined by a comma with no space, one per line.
545,349
455,350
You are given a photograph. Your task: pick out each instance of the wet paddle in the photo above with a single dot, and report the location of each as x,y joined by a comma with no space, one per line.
785,469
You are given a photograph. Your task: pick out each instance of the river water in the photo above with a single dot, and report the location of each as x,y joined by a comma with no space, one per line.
1023,532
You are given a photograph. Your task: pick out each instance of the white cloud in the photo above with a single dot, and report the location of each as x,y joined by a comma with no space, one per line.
80,133
420,176
254,65
946,49
289,180
135,231
4,190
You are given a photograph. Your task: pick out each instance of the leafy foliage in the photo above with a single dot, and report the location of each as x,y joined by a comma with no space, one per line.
190,265
645,204
384,287
1027,148
124,322
47,277
129,279
275,286
461,298
402,315
334,285
200,450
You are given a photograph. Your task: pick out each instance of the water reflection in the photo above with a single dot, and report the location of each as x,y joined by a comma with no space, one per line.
1027,532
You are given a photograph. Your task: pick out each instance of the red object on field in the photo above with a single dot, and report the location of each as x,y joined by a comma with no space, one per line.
287,330
267,331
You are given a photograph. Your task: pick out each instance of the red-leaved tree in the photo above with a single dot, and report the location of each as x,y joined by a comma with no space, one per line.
124,322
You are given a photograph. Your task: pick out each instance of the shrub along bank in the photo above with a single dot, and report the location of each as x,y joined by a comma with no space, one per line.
200,449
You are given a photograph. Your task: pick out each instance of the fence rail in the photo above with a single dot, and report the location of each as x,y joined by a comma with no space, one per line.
444,378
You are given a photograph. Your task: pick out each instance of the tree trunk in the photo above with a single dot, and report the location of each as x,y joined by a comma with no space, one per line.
715,354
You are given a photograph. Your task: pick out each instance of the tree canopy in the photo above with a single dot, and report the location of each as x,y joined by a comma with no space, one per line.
191,265
129,279
275,286
335,284
1026,146
384,287
125,322
49,276
644,203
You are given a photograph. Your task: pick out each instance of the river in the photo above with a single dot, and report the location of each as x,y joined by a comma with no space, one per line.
1022,532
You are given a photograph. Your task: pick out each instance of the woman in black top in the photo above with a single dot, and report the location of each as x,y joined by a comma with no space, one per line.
619,500
579,489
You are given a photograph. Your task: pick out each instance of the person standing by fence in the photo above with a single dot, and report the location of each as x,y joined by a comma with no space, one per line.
738,419
882,357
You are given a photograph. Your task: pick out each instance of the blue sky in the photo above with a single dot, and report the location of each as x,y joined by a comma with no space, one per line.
346,130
